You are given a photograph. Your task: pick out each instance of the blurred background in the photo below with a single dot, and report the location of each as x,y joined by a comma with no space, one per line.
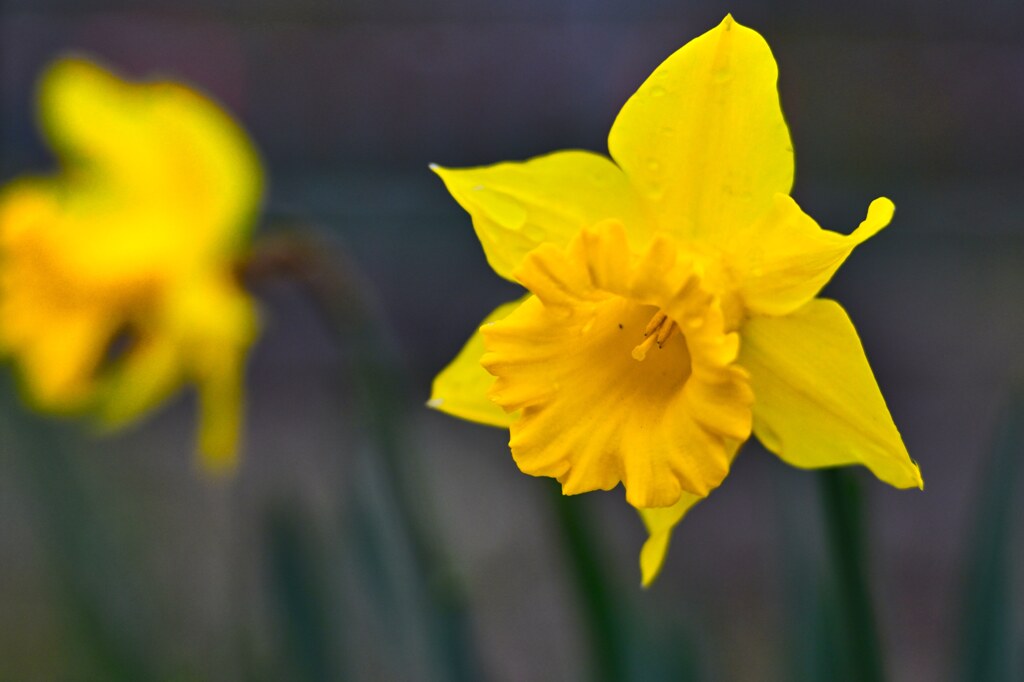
409,547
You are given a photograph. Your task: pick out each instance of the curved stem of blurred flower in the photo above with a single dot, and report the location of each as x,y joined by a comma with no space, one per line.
593,585
846,538
335,286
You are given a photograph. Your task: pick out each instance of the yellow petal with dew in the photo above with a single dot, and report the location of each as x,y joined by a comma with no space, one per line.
622,368
703,140
816,400
546,200
660,521
784,259
461,388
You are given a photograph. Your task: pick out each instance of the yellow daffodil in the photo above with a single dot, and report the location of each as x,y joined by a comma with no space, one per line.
671,307
116,275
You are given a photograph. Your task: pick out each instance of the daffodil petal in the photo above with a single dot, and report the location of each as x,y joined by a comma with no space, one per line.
221,405
213,322
136,238
785,258
703,139
91,118
57,362
461,388
159,145
816,402
56,332
546,200
146,375
660,521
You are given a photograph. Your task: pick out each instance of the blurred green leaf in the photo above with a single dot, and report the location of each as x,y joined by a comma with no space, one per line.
987,620
626,640
663,650
378,380
300,596
104,610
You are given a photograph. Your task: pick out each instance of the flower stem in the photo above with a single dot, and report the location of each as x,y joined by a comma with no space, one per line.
592,583
845,529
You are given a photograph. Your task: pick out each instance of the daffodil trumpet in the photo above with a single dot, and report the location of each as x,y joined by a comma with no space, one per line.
671,308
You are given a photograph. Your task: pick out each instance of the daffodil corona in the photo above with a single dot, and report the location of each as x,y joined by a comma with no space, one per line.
116,275
671,308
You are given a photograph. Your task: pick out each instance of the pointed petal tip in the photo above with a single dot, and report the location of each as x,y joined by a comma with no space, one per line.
908,477
729,23
652,557
911,479
435,403
917,474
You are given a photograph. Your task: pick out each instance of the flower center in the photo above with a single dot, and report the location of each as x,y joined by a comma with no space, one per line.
567,358
658,331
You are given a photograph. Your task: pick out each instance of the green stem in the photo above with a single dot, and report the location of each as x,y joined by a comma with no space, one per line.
846,533
592,582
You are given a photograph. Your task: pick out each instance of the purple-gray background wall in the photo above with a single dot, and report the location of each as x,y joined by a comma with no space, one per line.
348,102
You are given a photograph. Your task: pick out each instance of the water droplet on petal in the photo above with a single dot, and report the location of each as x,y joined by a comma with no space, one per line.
658,91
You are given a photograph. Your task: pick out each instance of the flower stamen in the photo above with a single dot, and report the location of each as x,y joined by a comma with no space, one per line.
658,331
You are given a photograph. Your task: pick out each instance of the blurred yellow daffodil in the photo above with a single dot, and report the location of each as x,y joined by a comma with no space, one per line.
671,307
116,275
